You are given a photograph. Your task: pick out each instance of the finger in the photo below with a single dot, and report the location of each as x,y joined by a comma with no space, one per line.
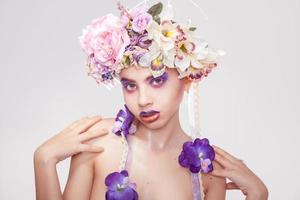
231,186
225,163
219,172
225,154
73,124
92,134
90,148
85,125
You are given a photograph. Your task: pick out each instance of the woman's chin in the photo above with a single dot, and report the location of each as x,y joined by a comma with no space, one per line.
155,124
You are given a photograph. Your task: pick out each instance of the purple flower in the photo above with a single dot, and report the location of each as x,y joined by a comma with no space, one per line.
140,40
123,122
134,39
141,22
144,42
119,187
137,56
197,156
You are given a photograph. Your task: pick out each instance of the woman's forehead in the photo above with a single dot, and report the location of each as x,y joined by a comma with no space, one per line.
139,74
135,73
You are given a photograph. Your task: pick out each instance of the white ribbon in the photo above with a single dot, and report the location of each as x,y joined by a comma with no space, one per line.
194,110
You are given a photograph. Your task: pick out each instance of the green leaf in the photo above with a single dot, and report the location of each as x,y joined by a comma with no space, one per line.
127,60
157,19
192,28
156,9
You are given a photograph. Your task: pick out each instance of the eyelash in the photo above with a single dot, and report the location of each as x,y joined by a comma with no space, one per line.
125,86
159,83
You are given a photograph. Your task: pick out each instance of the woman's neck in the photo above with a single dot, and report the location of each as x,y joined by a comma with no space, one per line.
157,140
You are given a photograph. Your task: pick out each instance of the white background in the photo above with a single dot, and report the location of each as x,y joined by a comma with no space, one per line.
250,103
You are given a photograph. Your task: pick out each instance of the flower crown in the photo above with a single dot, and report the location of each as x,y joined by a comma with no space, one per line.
145,37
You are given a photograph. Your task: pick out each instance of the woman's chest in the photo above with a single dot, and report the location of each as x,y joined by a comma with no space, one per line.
156,177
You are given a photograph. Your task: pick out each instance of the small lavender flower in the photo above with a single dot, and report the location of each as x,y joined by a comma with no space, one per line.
119,187
197,156
123,122
141,22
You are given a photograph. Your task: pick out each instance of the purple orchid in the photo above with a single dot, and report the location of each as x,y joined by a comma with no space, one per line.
123,122
197,156
119,187
140,40
143,41
137,56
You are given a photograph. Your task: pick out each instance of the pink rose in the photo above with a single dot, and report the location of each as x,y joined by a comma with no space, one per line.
106,39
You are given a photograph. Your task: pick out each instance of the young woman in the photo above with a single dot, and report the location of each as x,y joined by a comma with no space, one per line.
147,136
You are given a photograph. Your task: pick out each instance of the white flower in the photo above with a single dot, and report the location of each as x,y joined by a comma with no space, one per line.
162,49
164,34
158,55
192,52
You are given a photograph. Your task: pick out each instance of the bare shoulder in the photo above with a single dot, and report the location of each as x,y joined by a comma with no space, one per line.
214,184
111,142
109,159
102,141
213,180
104,123
81,175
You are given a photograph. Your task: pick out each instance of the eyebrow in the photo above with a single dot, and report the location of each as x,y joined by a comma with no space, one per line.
146,79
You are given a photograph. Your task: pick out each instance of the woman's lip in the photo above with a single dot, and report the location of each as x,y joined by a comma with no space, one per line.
149,113
150,118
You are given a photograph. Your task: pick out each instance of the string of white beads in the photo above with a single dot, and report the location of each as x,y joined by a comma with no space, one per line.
196,91
125,152
196,106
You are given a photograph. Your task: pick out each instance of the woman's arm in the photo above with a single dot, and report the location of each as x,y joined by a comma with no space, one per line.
46,177
241,176
216,187
81,174
68,142
80,180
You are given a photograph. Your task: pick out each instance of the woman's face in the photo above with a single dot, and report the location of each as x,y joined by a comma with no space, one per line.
143,92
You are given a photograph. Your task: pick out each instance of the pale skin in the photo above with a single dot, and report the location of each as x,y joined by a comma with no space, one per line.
96,151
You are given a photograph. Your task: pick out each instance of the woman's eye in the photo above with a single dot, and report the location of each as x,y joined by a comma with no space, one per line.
130,86
157,81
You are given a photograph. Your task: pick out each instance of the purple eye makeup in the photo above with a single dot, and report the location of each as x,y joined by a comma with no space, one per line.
127,84
158,81
130,85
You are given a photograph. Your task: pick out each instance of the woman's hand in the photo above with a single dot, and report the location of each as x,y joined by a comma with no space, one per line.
241,176
70,141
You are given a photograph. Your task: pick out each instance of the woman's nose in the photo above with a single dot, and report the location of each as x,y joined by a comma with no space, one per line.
144,98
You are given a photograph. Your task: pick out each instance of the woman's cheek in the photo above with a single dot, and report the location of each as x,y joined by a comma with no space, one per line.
172,97
128,98
130,101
